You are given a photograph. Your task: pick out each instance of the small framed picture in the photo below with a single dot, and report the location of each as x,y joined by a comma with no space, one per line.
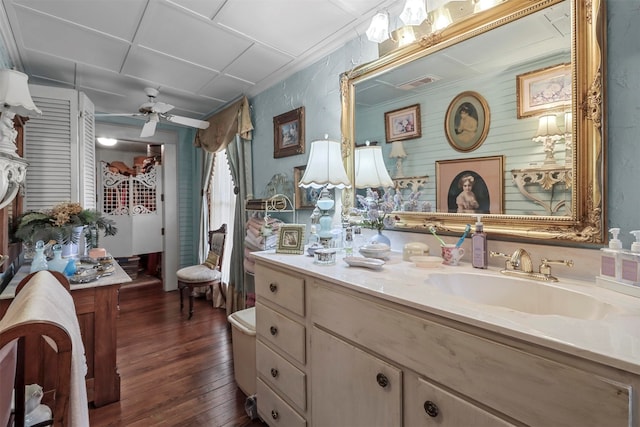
288,133
403,123
470,186
466,124
306,198
291,239
544,91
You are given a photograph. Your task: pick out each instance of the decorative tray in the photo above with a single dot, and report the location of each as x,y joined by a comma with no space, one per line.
356,261
84,276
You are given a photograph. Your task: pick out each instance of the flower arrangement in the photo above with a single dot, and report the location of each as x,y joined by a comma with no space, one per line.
59,222
376,210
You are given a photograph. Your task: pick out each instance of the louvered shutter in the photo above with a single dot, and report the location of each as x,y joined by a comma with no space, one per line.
56,146
87,165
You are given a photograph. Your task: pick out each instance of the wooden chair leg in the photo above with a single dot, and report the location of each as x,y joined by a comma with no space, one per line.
190,303
181,291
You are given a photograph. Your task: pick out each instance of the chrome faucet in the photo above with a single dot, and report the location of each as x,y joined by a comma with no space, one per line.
519,264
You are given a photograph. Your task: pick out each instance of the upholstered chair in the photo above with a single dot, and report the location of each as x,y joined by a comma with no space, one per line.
206,274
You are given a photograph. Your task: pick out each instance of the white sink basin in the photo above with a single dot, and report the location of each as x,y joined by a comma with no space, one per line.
522,295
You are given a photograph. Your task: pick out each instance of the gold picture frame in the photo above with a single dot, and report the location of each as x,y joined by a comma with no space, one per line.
486,176
291,239
288,133
466,124
403,123
544,91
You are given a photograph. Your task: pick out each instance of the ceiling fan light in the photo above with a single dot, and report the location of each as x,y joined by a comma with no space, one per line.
379,29
107,142
414,12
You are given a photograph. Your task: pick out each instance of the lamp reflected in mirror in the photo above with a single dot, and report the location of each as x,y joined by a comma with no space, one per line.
548,134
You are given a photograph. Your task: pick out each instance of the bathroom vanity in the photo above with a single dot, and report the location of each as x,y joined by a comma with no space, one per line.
446,346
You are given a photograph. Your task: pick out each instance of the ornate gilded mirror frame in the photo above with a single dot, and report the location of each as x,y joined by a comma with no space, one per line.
586,224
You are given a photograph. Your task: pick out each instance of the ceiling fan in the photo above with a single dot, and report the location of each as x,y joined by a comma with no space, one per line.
153,111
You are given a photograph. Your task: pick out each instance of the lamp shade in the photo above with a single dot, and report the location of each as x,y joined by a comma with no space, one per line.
397,150
379,29
370,169
325,167
14,91
547,129
414,12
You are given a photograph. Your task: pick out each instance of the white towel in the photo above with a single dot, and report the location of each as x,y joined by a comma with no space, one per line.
43,298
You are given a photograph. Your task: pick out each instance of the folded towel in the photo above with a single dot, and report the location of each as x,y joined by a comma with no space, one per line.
43,299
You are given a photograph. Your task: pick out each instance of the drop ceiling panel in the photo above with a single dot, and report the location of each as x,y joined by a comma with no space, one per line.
205,8
116,17
50,67
165,70
226,88
69,41
303,25
170,29
245,66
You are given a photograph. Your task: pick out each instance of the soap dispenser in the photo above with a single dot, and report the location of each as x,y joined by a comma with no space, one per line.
479,255
635,246
609,262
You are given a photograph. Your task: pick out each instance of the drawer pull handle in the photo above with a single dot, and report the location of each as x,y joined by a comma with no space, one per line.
273,330
274,372
273,287
274,414
431,409
382,379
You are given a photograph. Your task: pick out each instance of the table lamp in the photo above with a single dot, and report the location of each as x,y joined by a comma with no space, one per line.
325,170
14,99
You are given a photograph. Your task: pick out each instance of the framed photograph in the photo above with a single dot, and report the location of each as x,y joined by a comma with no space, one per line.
291,239
544,91
288,133
470,185
403,123
306,198
466,124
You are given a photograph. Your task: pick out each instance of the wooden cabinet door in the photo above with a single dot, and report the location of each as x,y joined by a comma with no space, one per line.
350,387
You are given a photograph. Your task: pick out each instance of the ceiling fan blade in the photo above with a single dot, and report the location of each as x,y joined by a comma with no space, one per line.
149,127
118,114
161,107
200,124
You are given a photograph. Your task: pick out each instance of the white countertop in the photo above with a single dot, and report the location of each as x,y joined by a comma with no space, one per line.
613,340
118,276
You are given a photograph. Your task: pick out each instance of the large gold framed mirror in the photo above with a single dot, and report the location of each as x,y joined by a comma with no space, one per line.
535,63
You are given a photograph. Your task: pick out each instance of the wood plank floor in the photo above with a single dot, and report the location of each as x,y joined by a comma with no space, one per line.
174,371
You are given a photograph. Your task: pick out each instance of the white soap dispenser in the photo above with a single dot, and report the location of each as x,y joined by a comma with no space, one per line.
635,246
615,243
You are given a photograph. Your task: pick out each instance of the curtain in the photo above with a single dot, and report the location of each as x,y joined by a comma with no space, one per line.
223,206
205,179
228,129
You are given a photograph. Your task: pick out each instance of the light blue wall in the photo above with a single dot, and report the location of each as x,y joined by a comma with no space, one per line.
317,89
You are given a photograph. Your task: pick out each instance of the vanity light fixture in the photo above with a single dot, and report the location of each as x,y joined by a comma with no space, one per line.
378,30
14,99
371,171
325,170
414,12
107,142
441,19
548,134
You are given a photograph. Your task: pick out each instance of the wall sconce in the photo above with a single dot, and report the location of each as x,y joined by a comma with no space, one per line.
14,99
548,133
378,30
325,170
414,12
398,153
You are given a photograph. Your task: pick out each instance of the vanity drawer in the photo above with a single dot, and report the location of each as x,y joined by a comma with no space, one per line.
282,375
486,371
426,404
274,410
283,289
280,331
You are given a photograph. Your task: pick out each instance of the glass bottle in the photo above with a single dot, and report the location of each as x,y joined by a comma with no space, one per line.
39,260
57,263
348,241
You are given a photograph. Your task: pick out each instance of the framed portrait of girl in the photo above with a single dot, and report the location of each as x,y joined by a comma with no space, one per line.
466,124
